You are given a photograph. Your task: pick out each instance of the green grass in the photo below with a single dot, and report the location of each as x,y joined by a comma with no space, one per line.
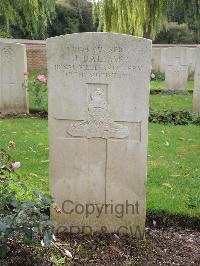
31,150
174,169
173,162
163,102
160,85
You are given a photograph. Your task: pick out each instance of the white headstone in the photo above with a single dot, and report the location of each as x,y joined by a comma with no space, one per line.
176,71
13,95
191,58
196,93
156,58
163,60
98,127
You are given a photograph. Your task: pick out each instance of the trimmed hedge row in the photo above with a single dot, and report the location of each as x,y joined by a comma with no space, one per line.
175,117
169,92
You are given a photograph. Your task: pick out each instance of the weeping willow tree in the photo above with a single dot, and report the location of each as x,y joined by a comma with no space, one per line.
7,14
135,17
197,18
30,16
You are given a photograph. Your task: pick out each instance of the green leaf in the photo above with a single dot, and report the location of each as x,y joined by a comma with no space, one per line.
3,227
37,193
3,250
47,238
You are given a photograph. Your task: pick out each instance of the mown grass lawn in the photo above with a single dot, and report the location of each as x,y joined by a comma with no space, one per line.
173,162
174,169
161,102
31,150
160,85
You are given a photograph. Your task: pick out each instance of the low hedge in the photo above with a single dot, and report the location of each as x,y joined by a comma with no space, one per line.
175,117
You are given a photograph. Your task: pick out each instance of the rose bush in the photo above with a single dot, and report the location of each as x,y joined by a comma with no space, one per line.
37,87
25,220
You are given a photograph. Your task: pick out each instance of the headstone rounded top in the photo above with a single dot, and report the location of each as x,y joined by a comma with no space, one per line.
11,44
94,34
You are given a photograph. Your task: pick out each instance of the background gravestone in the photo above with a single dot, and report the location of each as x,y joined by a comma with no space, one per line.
196,94
98,127
191,58
156,58
13,63
163,60
176,71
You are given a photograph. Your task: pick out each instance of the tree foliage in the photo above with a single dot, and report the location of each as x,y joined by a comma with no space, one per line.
31,17
71,16
184,11
176,33
65,21
84,9
146,17
138,17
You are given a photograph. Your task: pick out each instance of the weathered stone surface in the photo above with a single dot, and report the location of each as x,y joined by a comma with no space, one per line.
159,59
176,71
163,60
156,58
196,93
191,58
13,95
98,125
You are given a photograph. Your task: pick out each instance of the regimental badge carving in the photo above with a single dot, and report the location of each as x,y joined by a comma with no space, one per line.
8,65
8,54
99,123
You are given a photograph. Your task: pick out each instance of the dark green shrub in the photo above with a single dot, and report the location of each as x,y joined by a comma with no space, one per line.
178,117
169,92
176,33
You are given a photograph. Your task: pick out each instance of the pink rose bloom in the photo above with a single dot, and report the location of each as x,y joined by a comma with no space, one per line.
42,78
25,73
15,166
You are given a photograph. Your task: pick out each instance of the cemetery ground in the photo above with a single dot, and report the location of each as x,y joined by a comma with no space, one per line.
173,163
173,196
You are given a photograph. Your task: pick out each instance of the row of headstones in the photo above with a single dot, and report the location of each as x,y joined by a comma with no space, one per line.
98,89
159,59
13,83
